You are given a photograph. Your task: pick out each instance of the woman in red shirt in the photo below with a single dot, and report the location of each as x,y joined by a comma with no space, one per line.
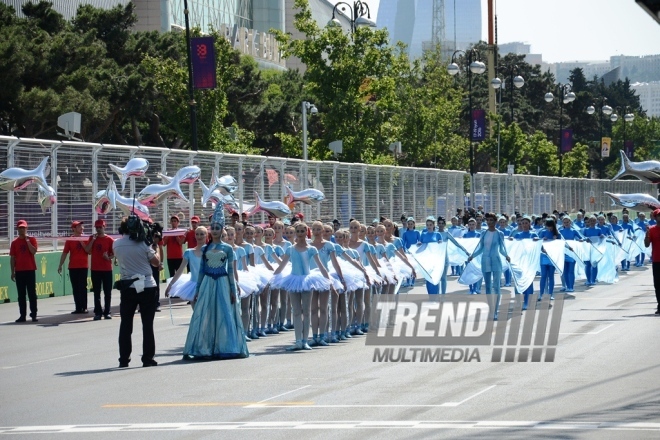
78,265
99,246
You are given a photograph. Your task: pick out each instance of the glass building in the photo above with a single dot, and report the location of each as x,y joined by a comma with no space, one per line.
411,21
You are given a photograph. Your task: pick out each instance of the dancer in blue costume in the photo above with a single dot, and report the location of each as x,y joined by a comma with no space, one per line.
301,282
502,225
569,233
473,233
491,245
629,231
547,268
591,232
446,236
273,254
456,230
430,235
525,224
215,330
183,285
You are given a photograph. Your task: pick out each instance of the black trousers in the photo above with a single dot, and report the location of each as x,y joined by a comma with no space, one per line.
102,279
79,287
26,284
173,265
656,281
130,300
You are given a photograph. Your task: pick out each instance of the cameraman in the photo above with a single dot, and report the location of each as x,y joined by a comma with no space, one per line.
136,260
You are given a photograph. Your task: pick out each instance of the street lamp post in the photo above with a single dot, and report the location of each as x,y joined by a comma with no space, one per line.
358,12
517,81
477,67
627,117
564,91
191,94
312,110
605,110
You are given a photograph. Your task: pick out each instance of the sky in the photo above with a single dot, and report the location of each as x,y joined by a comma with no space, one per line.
572,30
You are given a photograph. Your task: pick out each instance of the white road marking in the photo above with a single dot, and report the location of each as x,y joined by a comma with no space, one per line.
259,404
590,333
40,362
555,425
452,404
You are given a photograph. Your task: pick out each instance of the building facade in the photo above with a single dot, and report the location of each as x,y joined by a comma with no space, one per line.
67,8
411,21
649,97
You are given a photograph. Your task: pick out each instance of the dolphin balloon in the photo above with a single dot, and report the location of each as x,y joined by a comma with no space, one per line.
275,208
15,179
46,197
647,171
215,197
636,201
186,175
136,167
155,193
227,183
105,200
109,199
306,196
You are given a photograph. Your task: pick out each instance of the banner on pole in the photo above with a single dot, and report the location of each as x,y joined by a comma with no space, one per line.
629,149
566,140
605,144
478,125
202,53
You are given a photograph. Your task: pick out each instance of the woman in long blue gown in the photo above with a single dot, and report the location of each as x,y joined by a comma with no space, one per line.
216,330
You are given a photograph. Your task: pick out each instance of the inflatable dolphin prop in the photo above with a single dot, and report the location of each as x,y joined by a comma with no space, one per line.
15,179
275,208
186,175
215,196
306,196
136,167
647,171
46,197
639,202
156,193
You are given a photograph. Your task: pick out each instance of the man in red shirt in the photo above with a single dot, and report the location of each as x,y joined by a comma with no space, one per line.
653,237
23,270
190,240
174,248
78,265
99,246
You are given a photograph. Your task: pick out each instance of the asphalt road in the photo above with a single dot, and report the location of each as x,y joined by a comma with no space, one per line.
59,379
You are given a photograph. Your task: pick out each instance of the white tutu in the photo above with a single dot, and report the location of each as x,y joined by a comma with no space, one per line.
183,288
386,271
263,273
300,283
401,269
353,278
248,282
373,276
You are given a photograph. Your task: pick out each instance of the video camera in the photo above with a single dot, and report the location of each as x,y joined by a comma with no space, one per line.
142,231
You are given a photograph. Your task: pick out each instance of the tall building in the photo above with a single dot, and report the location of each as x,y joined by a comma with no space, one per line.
411,21
67,8
649,96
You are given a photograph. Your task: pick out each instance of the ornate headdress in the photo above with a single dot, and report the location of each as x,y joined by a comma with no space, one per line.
218,217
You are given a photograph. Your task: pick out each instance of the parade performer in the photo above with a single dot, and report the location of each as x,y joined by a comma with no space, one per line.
300,283
569,233
215,330
182,285
525,223
473,233
491,245
550,233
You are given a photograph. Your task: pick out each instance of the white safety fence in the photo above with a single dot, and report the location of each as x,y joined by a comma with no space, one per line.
80,170
359,191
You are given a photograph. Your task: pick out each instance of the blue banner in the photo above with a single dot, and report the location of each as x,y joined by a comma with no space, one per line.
629,149
478,125
566,140
202,53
